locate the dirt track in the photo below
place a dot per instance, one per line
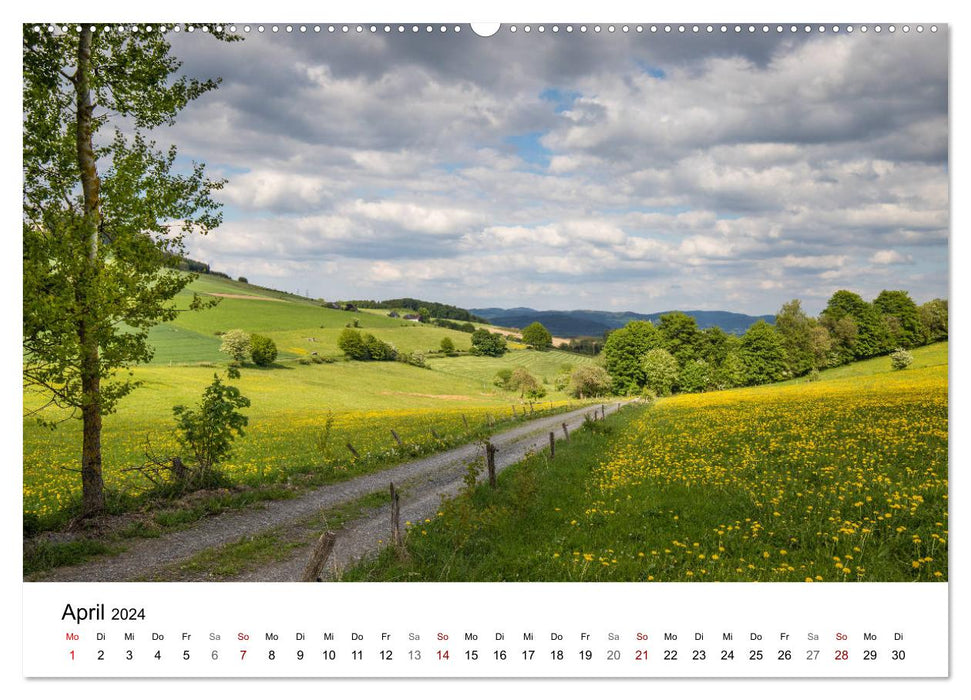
(422, 483)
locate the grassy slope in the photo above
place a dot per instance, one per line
(290, 401)
(842, 479)
(927, 356)
(290, 320)
(543, 365)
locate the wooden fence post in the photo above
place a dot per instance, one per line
(566, 433)
(395, 518)
(465, 420)
(353, 451)
(321, 551)
(514, 415)
(552, 444)
(491, 463)
(603, 412)
(396, 438)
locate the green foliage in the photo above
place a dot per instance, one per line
(660, 371)
(589, 380)
(762, 354)
(933, 315)
(415, 359)
(624, 351)
(901, 359)
(236, 344)
(902, 317)
(536, 335)
(103, 215)
(437, 310)
(447, 346)
(525, 383)
(872, 337)
(486, 343)
(352, 344)
(731, 372)
(680, 336)
(378, 349)
(207, 431)
(503, 378)
(262, 350)
(696, 375)
(795, 330)
(367, 347)
(585, 345)
(466, 327)
(821, 345)
(715, 345)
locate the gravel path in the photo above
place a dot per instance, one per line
(421, 482)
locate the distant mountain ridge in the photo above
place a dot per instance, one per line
(570, 324)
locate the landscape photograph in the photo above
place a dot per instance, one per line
(562, 302)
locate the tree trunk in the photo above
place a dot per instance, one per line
(90, 364)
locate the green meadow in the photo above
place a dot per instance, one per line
(302, 413)
(841, 479)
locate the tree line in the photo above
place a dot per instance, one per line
(675, 355)
(430, 308)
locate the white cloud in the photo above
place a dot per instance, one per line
(752, 172)
(889, 257)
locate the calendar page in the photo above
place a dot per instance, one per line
(448, 350)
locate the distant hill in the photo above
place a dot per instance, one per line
(571, 324)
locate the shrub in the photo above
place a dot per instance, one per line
(525, 383)
(236, 344)
(352, 345)
(207, 431)
(900, 359)
(447, 346)
(415, 359)
(502, 378)
(813, 375)
(262, 350)
(378, 349)
(486, 343)
(648, 395)
(660, 371)
(589, 380)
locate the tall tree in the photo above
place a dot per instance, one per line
(536, 335)
(796, 330)
(680, 336)
(624, 351)
(933, 315)
(103, 214)
(762, 354)
(716, 344)
(902, 318)
(872, 335)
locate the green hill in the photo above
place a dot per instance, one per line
(298, 325)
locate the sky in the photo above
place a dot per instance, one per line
(638, 171)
